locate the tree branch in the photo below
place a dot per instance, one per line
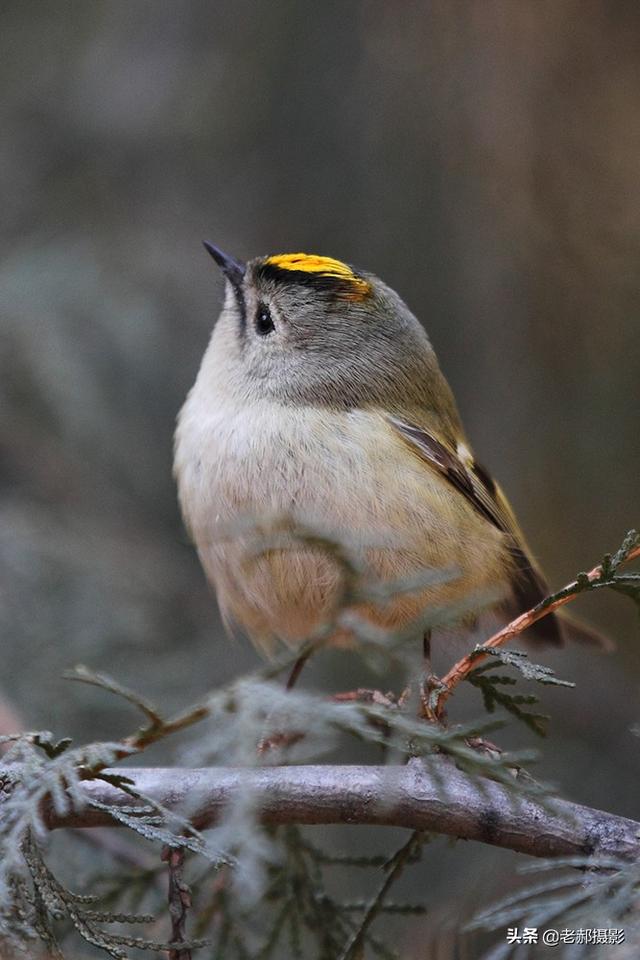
(179, 902)
(432, 796)
(567, 594)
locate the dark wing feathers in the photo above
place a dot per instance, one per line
(473, 481)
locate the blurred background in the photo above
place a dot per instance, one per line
(483, 157)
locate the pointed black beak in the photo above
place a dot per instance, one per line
(233, 269)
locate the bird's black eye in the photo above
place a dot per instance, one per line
(264, 323)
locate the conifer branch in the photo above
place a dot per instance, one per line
(432, 796)
(179, 902)
(601, 575)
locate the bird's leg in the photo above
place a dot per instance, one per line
(426, 652)
(296, 670)
(361, 695)
(283, 740)
(428, 681)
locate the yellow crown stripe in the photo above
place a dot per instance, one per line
(320, 267)
(312, 263)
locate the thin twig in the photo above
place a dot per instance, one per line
(394, 868)
(119, 848)
(468, 663)
(179, 902)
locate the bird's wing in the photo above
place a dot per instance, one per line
(483, 493)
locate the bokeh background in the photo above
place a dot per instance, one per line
(482, 156)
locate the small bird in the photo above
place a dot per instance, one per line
(320, 399)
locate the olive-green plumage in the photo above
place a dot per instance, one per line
(320, 399)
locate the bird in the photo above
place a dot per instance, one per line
(320, 400)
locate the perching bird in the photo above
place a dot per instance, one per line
(320, 399)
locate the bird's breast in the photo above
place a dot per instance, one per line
(343, 473)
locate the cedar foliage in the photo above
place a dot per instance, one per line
(258, 892)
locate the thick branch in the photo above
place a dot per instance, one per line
(434, 797)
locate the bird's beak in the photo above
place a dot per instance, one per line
(233, 269)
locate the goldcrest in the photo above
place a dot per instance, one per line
(320, 399)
